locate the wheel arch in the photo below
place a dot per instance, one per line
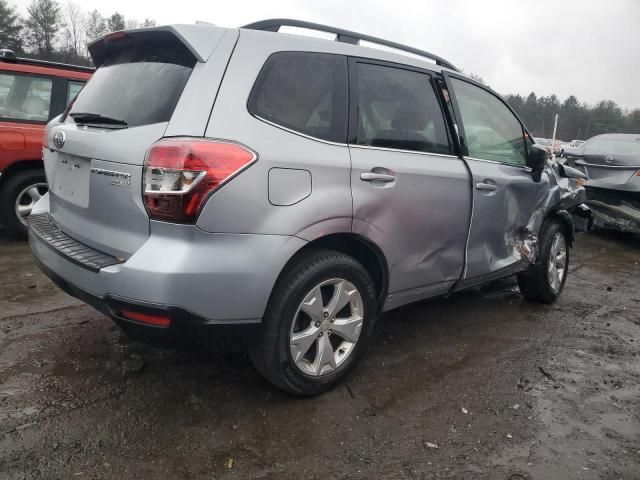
(20, 166)
(564, 218)
(362, 249)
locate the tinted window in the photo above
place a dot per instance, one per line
(492, 131)
(306, 92)
(140, 84)
(24, 97)
(613, 146)
(399, 109)
(73, 89)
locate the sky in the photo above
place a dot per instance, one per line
(588, 48)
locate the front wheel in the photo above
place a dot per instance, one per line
(317, 325)
(543, 282)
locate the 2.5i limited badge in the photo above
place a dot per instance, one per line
(118, 179)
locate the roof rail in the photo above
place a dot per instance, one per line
(345, 36)
(43, 63)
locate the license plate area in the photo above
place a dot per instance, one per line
(71, 179)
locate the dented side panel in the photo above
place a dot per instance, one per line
(501, 217)
(506, 221)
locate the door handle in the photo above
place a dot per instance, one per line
(377, 177)
(486, 187)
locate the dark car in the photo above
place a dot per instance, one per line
(612, 163)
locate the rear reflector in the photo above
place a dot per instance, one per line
(148, 319)
(181, 173)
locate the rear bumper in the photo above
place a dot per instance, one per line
(200, 280)
(186, 331)
(615, 209)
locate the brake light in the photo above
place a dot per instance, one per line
(146, 318)
(181, 173)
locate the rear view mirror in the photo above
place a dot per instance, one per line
(537, 160)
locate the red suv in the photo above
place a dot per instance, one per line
(32, 92)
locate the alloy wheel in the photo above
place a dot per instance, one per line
(27, 199)
(326, 327)
(557, 262)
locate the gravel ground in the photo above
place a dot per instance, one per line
(478, 385)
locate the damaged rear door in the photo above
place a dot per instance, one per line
(505, 196)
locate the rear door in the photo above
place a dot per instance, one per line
(26, 105)
(505, 196)
(411, 193)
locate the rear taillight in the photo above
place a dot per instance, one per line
(181, 173)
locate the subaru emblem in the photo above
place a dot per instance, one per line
(58, 140)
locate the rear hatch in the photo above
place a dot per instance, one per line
(94, 155)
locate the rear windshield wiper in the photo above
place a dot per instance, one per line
(87, 118)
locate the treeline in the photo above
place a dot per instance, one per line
(577, 120)
(58, 32)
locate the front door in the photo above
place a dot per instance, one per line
(411, 193)
(505, 196)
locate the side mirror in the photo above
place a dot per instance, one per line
(537, 160)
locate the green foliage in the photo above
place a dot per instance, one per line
(10, 28)
(116, 22)
(95, 25)
(577, 119)
(42, 24)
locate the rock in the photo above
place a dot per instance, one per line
(134, 364)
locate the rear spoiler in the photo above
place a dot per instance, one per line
(200, 40)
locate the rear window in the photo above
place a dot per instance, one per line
(305, 92)
(140, 84)
(25, 97)
(613, 146)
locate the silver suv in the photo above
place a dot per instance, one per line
(251, 189)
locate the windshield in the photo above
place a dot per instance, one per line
(139, 85)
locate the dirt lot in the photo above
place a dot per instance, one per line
(479, 385)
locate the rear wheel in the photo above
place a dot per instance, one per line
(544, 281)
(318, 324)
(18, 196)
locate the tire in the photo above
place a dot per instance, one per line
(16, 188)
(537, 283)
(318, 276)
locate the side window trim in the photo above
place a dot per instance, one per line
(51, 78)
(460, 124)
(352, 136)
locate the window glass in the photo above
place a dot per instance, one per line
(398, 109)
(73, 89)
(140, 84)
(613, 146)
(306, 92)
(492, 131)
(24, 97)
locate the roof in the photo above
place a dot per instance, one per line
(43, 67)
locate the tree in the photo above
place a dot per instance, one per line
(42, 24)
(148, 23)
(72, 23)
(115, 22)
(10, 28)
(95, 26)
